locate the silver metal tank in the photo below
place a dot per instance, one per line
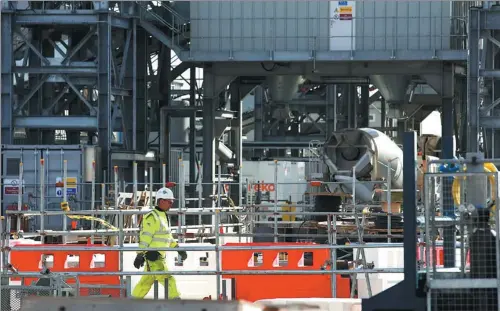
(283, 88)
(179, 127)
(370, 151)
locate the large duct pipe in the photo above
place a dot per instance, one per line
(392, 87)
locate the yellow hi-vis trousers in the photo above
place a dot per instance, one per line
(146, 282)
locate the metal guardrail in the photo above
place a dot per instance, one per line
(178, 25)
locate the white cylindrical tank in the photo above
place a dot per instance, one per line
(371, 151)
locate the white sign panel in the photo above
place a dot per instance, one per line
(11, 186)
(342, 25)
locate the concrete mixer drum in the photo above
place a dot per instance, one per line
(369, 151)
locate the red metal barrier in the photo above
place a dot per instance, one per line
(261, 286)
(30, 261)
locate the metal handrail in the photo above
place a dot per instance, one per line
(175, 13)
(177, 28)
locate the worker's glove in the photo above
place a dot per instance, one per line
(139, 261)
(153, 255)
(183, 255)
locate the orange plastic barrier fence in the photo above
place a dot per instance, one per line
(71, 261)
(260, 286)
(439, 256)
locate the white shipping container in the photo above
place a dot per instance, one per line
(292, 182)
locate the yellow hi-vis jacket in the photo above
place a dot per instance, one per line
(155, 232)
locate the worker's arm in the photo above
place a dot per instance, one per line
(149, 226)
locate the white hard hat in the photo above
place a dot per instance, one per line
(164, 193)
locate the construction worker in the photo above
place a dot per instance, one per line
(155, 233)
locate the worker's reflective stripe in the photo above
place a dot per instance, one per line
(164, 224)
(162, 237)
(143, 244)
(162, 240)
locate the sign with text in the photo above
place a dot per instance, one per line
(71, 186)
(342, 25)
(11, 186)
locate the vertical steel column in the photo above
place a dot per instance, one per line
(364, 107)
(236, 141)
(7, 134)
(192, 136)
(383, 112)
(448, 152)
(342, 107)
(473, 80)
(410, 202)
(134, 86)
(165, 141)
(164, 84)
(141, 42)
(258, 114)
(104, 87)
(210, 99)
(331, 106)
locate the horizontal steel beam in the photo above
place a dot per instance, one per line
(488, 19)
(320, 56)
(491, 122)
(340, 69)
(256, 144)
(293, 139)
(69, 70)
(489, 73)
(75, 80)
(57, 122)
(183, 112)
(120, 92)
(66, 17)
(131, 156)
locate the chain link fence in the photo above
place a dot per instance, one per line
(460, 239)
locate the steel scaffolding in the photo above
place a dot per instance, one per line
(246, 214)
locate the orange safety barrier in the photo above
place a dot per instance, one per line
(261, 286)
(439, 256)
(83, 261)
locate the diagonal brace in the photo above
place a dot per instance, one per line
(47, 110)
(32, 47)
(31, 93)
(80, 44)
(77, 92)
(125, 58)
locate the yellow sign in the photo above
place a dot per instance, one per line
(71, 182)
(346, 10)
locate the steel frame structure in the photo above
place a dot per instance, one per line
(483, 87)
(125, 102)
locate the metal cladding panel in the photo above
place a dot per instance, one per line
(326, 26)
(384, 25)
(53, 166)
(257, 26)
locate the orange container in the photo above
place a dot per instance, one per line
(31, 261)
(261, 286)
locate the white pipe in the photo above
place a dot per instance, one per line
(20, 196)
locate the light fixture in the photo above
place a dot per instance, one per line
(150, 154)
(226, 115)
